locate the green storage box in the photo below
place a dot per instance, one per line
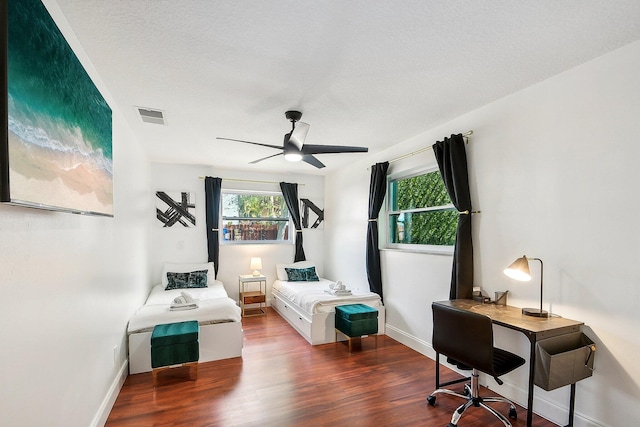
(355, 320)
(174, 343)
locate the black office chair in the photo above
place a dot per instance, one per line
(467, 337)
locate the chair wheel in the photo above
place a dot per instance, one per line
(431, 400)
(513, 414)
(466, 392)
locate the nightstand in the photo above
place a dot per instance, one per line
(252, 291)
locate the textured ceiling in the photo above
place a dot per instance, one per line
(369, 73)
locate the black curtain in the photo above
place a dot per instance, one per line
(212, 189)
(290, 193)
(377, 190)
(452, 160)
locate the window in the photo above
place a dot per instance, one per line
(254, 218)
(420, 214)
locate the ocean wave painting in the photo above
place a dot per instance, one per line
(60, 126)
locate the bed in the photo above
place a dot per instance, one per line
(310, 309)
(218, 315)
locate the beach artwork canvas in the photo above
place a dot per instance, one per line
(59, 142)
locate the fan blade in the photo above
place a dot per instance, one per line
(312, 161)
(299, 134)
(264, 158)
(327, 149)
(254, 143)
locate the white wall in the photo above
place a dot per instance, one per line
(553, 169)
(180, 244)
(69, 284)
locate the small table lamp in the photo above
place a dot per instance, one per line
(256, 265)
(519, 270)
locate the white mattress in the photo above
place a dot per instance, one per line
(214, 306)
(311, 296)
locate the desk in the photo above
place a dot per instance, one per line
(535, 328)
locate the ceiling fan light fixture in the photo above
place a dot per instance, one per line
(292, 156)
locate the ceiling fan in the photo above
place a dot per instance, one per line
(294, 149)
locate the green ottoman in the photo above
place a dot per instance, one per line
(356, 320)
(175, 344)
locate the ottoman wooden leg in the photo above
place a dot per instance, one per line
(193, 370)
(192, 366)
(155, 373)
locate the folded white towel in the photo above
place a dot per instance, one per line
(187, 306)
(184, 298)
(338, 286)
(338, 292)
(183, 302)
(187, 296)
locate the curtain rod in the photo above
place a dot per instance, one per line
(465, 136)
(247, 180)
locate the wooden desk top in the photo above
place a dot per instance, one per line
(512, 318)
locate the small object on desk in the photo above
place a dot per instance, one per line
(501, 298)
(480, 296)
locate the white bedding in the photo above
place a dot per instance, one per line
(159, 296)
(311, 296)
(214, 306)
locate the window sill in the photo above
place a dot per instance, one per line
(419, 251)
(254, 242)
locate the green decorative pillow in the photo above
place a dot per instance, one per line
(194, 279)
(177, 280)
(302, 274)
(198, 279)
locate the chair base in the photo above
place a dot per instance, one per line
(472, 397)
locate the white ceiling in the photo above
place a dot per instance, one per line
(365, 72)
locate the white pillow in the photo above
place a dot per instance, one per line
(187, 268)
(282, 274)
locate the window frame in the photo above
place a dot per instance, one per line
(385, 226)
(224, 219)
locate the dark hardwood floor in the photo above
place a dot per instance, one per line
(281, 380)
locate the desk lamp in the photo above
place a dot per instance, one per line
(519, 270)
(256, 266)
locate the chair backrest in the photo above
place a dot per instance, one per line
(464, 336)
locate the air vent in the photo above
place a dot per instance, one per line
(151, 116)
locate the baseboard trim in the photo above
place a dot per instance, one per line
(100, 419)
(410, 341)
(551, 410)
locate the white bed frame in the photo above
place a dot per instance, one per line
(316, 328)
(217, 341)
